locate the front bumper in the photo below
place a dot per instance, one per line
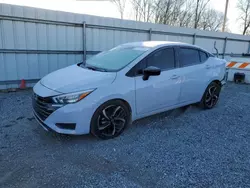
(67, 115)
(40, 121)
(69, 119)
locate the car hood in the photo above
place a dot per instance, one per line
(75, 78)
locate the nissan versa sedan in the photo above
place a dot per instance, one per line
(108, 91)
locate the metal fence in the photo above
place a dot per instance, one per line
(35, 42)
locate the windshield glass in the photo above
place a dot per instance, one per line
(116, 58)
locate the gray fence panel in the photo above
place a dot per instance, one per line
(35, 42)
(186, 39)
(33, 66)
(103, 39)
(237, 47)
(208, 44)
(2, 67)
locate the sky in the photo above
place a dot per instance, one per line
(107, 9)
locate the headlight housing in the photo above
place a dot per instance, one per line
(71, 97)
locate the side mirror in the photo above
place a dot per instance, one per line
(151, 71)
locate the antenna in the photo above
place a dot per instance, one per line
(217, 53)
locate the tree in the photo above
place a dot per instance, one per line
(199, 9)
(182, 13)
(120, 4)
(143, 9)
(136, 4)
(168, 11)
(211, 20)
(244, 10)
(186, 14)
(176, 12)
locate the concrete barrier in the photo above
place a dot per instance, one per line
(238, 69)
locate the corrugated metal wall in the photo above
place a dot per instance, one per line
(35, 42)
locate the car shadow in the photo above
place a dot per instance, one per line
(163, 115)
(89, 138)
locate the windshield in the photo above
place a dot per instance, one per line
(116, 58)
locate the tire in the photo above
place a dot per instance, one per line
(211, 96)
(110, 119)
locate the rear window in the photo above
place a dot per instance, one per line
(203, 56)
(189, 56)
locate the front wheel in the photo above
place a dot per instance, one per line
(211, 96)
(110, 119)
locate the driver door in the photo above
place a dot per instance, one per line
(158, 91)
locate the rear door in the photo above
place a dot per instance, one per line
(194, 73)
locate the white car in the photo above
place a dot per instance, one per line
(134, 80)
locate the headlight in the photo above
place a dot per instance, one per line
(71, 97)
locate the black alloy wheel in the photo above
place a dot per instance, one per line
(211, 96)
(110, 120)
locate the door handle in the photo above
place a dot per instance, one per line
(174, 77)
(208, 66)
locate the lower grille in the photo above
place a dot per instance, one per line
(43, 124)
(42, 106)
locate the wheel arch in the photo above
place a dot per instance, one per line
(117, 99)
(217, 81)
(124, 101)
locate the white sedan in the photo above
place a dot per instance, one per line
(133, 80)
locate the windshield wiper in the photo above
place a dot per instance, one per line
(84, 65)
(95, 68)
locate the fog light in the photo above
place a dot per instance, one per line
(69, 126)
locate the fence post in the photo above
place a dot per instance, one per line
(84, 40)
(225, 46)
(194, 38)
(248, 51)
(150, 34)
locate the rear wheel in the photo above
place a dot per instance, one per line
(110, 119)
(211, 96)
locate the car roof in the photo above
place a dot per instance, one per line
(152, 44)
(155, 44)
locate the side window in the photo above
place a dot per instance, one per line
(163, 59)
(203, 56)
(189, 56)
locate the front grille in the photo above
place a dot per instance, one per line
(42, 106)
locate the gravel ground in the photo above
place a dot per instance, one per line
(181, 148)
